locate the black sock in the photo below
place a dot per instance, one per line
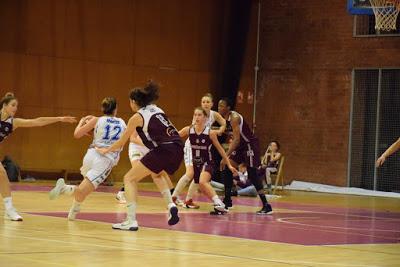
(228, 183)
(122, 189)
(257, 182)
(263, 199)
(172, 190)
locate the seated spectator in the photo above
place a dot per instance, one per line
(270, 162)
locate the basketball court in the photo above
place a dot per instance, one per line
(308, 229)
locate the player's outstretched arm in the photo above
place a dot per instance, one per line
(41, 121)
(393, 148)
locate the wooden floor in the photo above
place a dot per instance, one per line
(307, 229)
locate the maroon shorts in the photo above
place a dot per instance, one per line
(167, 157)
(247, 153)
(207, 167)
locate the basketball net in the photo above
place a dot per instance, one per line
(386, 12)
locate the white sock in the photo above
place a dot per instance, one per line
(217, 201)
(192, 190)
(76, 205)
(8, 203)
(131, 210)
(68, 189)
(167, 196)
(181, 185)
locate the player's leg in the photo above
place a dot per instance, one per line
(5, 191)
(206, 188)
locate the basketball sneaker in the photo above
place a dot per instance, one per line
(173, 217)
(178, 202)
(220, 207)
(218, 212)
(56, 191)
(12, 214)
(267, 209)
(228, 203)
(189, 204)
(128, 225)
(121, 197)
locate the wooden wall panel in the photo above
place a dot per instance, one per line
(10, 26)
(210, 33)
(116, 80)
(169, 91)
(189, 52)
(63, 57)
(72, 92)
(40, 27)
(147, 30)
(170, 33)
(117, 31)
(9, 70)
(74, 35)
(187, 81)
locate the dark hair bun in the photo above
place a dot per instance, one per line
(145, 96)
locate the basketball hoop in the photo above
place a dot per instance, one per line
(386, 12)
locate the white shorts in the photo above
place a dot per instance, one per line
(137, 152)
(96, 167)
(188, 153)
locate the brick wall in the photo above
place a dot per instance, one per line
(307, 54)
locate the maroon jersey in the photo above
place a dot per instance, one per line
(6, 128)
(157, 129)
(201, 146)
(246, 135)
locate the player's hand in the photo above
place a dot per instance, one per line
(102, 150)
(68, 119)
(233, 170)
(380, 161)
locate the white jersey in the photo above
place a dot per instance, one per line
(107, 131)
(211, 118)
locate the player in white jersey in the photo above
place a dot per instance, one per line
(212, 116)
(96, 167)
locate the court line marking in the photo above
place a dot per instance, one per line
(287, 220)
(192, 253)
(276, 221)
(34, 260)
(225, 237)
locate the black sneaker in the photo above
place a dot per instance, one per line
(228, 203)
(267, 209)
(173, 217)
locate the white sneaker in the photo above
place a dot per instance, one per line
(12, 214)
(56, 191)
(73, 212)
(128, 225)
(220, 207)
(173, 217)
(121, 197)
